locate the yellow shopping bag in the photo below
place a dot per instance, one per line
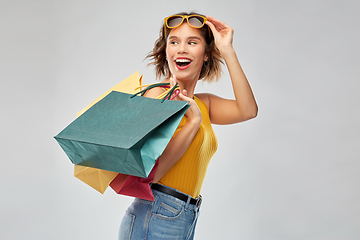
(96, 178)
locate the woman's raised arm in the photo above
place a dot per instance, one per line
(244, 107)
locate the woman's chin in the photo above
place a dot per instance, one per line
(184, 76)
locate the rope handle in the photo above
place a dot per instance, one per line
(165, 95)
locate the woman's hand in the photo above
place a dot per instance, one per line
(193, 114)
(223, 33)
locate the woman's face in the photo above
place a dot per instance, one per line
(185, 52)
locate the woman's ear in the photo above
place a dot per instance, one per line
(206, 58)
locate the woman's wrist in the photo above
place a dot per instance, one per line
(226, 51)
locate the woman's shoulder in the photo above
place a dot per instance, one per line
(154, 92)
(204, 97)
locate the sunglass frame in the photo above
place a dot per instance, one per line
(166, 25)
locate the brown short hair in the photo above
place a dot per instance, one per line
(211, 70)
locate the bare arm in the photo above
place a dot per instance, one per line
(244, 107)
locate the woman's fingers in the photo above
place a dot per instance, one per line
(219, 25)
(223, 33)
(172, 81)
(185, 92)
(183, 96)
(211, 25)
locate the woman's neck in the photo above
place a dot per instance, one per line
(189, 86)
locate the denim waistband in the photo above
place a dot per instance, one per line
(186, 204)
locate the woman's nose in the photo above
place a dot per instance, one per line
(182, 48)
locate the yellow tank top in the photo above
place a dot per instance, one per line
(188, 174)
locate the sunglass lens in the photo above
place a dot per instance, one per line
(173, 22)
(196, 21)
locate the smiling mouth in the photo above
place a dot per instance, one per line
(182, 62)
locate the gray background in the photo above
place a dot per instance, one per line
(291, 173)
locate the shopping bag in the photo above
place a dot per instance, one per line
(97, 178)
(134, 186)
(128, 85)
(121, 133)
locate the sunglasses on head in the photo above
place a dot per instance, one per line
(194, 21)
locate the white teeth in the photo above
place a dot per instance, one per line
(182, 60)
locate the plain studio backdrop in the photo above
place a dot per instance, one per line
(291, 173)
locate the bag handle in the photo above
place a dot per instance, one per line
(165, 95)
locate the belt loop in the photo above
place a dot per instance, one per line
(187, 202)
(199, 201)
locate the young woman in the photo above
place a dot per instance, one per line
(190, 47)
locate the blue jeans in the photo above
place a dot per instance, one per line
(166, 218)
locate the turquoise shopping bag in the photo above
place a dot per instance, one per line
(122, 133)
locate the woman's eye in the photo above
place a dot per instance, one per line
(173, 42)
(192, 43)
